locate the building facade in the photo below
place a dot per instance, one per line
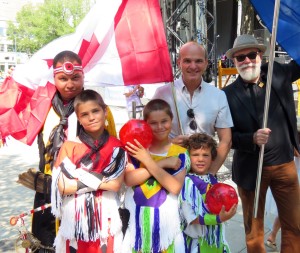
(8, 53)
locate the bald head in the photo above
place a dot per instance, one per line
(192, 62)
(195, 46)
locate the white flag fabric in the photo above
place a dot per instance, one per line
(119, 42)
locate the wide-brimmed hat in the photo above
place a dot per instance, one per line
(245, 41)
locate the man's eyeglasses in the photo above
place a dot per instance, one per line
(242, 57)
(190, 113)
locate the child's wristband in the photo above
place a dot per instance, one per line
(88, 179)
(80, 185)
(209, 219)
(82, 188)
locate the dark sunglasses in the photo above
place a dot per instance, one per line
(190, 113)
(242, 57)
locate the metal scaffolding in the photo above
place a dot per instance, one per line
(187, 20)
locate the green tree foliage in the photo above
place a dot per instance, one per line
(37, 25)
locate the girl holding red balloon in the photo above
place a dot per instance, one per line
(155, 177)
(202, 219)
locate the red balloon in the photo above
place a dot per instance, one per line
(136, 129)
(220, 195)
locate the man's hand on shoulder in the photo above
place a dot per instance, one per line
(179, 140)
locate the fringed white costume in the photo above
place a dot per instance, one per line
(90, 215)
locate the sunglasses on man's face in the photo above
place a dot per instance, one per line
(242, 57)
(190, 113)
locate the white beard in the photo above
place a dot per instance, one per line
(249, 72)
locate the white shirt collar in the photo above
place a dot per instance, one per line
(183, 87)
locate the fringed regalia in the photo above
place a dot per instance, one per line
(208, 236)
(89, 215)
(154, 224)
(60, 125)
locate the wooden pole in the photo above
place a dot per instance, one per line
(267, 101)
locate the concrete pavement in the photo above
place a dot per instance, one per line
(235, 231)
(14, 198)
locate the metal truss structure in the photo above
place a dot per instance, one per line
(187, 20)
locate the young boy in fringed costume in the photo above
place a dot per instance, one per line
(203, 231)
(58, 125)
(155, 179)
(86, 178)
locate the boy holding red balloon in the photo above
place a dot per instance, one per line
(154, 179)
(203, 230)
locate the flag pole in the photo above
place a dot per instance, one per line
(267, 100)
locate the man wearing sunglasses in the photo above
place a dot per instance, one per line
(201, 106)
(246, 98)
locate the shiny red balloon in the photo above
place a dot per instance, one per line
(220, 195)
(136, 129)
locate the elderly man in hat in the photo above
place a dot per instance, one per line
(246, 97)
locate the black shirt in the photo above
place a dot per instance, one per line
(279, 148)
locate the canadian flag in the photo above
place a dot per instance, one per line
(119, 42)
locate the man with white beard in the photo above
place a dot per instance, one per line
(246, 97)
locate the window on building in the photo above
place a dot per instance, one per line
(2, 31)
(2, 47)
(10, 48)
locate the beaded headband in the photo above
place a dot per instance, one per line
(68, 68)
